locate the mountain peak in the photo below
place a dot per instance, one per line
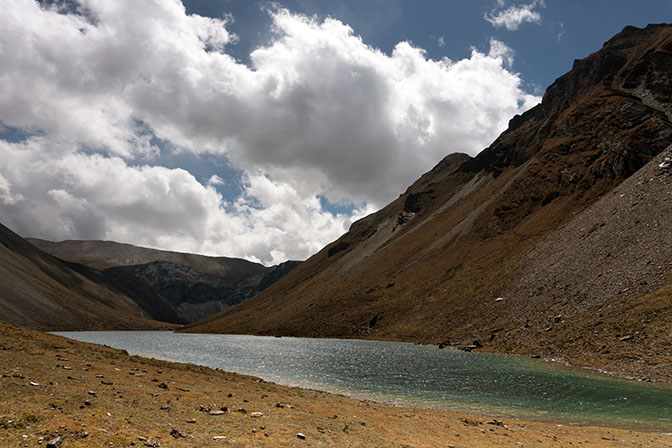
(429, 266)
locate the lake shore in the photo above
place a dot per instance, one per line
(92, 395)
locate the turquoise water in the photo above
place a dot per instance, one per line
(407, 374)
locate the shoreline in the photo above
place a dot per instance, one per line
(127, 406)
(400, 401)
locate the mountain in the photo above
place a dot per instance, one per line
(170, 286)
(553, 241)
(40, 291)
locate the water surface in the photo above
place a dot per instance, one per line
(416, 375)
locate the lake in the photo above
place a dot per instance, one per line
(415, 375)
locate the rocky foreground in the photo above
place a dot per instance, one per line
(58, 392)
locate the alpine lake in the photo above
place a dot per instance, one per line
(415, 375)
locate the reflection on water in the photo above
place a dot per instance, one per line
(414, 375)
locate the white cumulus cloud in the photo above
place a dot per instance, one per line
(317, 112)
(515, 15)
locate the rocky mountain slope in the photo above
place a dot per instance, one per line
(536, 245)
(40, 291)
(170, 286)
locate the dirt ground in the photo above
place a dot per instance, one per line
(95, 396)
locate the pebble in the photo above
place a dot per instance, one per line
(219, 438)
(92, 393)
(301, 436)
(32, 383)
(256, 414)
(55, 442)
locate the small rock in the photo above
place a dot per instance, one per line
(499, 299)
(176, 433)
(84, 435)
(219, 412)
(219, 438)
(32, 383)
(165, 408)
(301, 436)
(142, 439)
(55, 442)
(495, 422)
(163, 386)
(92, 393)
(256, 414)
(626, 338)
(191, 420)
(242, 410)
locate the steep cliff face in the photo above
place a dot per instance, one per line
(430, 266)
(40, 291)
(170, 286)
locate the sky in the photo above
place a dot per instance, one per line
(256, 129)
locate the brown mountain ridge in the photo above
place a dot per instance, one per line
(552, 241)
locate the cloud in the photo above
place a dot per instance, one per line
(317, 112)
(512, 17)
(97, 197)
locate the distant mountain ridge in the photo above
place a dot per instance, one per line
(171, 286)
(469, 255)
(40, 291)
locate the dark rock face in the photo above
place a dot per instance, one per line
(171, 287)
(178, 293)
